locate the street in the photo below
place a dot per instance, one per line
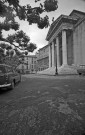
(44, 105)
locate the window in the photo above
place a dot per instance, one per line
(32, 60)
(27, 66)
(32, 66)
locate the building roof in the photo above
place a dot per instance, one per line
(80, 21)
(72, 19)
(77, 12)
(58, 21)
(43, 47)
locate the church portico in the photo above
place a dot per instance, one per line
(61, 52)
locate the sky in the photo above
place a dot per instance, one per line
(38, 36)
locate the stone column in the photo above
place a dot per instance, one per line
(53, 54)
(57, 50)
(64, 47)
(49, 56)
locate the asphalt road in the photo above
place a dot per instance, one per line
(44, 105)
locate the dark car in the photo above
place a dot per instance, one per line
(81, 70)
(8, 76)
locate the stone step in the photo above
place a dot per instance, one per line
(61, 70)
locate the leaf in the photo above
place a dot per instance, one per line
(51, 5)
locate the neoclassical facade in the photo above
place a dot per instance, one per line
(66, 40)
(29, 65)
(43, 58)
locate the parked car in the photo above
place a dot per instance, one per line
(8, 76)
(81, 70)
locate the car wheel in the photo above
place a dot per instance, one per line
(12, 85)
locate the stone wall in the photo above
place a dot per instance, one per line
(79, 44)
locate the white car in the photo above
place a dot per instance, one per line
(81, 70)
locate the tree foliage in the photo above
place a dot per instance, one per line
(10, 9)
(23, 41)
(7, 14)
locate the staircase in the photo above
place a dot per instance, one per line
(63, 70)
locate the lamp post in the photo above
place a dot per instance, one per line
(56, 69)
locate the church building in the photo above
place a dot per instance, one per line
(66, 40)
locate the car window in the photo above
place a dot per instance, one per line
(2, 69)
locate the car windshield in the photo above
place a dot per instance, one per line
(2, 69)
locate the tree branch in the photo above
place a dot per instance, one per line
(3, 39)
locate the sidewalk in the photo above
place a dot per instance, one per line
(53, 76)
